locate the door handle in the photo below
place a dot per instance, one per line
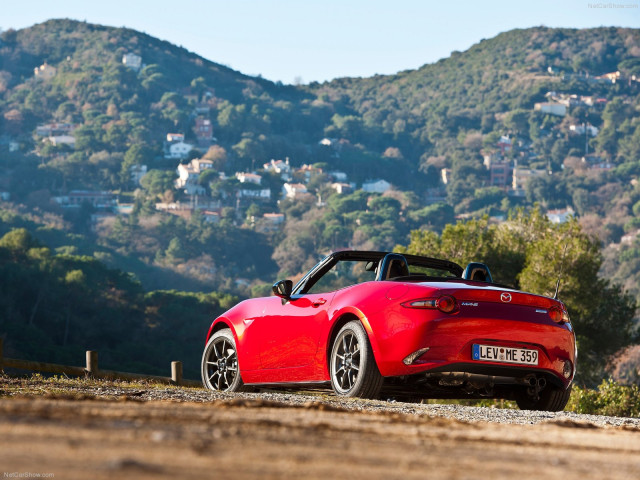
(318, 302)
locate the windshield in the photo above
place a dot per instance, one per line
(343, 274)
(342, 269)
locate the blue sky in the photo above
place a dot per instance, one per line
(319, 40)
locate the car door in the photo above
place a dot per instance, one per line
(289, 333)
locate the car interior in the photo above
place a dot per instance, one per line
(393, 265)
(477, 272)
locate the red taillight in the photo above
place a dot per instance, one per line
(421, 303)
(445, 303)
(558, 315)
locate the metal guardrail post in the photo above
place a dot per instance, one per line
(92, 363)
(176, 373)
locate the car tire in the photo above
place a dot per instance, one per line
(219, 368)
(552, 399)
(352, 366)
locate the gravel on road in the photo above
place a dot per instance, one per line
(323, 400)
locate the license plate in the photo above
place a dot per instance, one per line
(491, 353)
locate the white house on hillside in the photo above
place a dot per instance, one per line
(249, 178)
(137, 172)
(175, 137)
(188, 176)
(376, 186)
(342, 188)
(259, 194)
(278, 166)
(293, 189)
(132, 61)
(201, 164)
(560, 215)
(584, 129)
(557, 109)
(338, 176)
(178, 150)
(57, 140)
(45, 71)
(521, 176)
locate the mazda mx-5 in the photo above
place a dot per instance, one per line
(404, 326)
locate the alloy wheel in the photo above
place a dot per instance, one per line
(222, 364)
(346, 364)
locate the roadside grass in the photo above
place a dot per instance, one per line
(38, 385)
(485, 402)
(609, 398)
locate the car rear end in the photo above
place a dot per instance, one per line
(469, 333)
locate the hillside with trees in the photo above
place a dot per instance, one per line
(122, 149)
(54, 306)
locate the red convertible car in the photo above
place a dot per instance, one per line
(406, 326)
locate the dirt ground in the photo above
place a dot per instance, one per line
(94, 438)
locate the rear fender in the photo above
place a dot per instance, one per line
(353, 311)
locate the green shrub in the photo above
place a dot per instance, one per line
(610, 398)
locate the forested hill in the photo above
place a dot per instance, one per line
(91, 46)
(465, 91)
(547, 116)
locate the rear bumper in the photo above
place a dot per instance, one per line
(494, 374)
(449, 340)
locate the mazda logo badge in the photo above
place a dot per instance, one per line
(505, 297)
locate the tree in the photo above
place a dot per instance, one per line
(393, 152)
(88, 138)
(531, 253)
(218, 155)
(175, 250)
(517, 120)
(601, 312)
(137, 154)
(18, 241)
(435, 216)
(247, 150)
(156, 182)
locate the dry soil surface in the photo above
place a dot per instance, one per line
(186, 433)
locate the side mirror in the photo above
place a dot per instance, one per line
(283, 289)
